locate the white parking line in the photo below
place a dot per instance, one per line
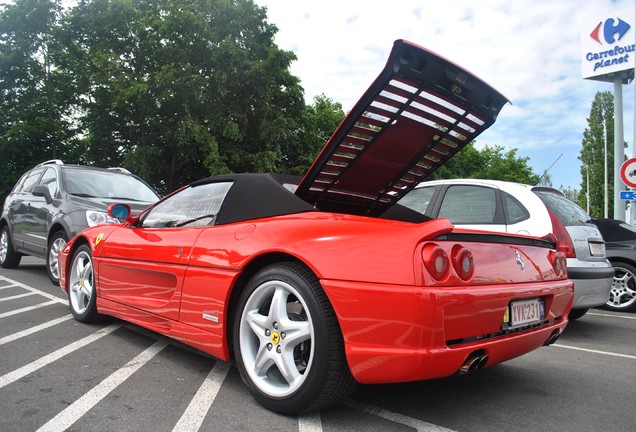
(27, 309)
(6, 286)
(310, 422)
(35, 290)
(595, 351)
(81, 406)
(612, 315)
(17, 296)
(35, 329)
(56, 355)
(419, 425)
(200, 404)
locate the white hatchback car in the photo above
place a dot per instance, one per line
(499, 206)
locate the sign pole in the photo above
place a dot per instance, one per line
(632, 210)
(619, 149)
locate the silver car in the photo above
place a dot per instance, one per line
(499, 206)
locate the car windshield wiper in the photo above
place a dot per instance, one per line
(82, 195)
(123, 198)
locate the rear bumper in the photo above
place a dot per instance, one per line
(591, 285)
(400, 334)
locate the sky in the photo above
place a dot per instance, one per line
(529, 51)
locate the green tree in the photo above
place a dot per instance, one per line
(318, 123)
(488, 163)
(179, 89)
(596, 138)
(571, 194)
(34, 123)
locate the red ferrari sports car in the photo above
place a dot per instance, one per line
(313, 285)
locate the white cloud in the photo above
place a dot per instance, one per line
(530, 51)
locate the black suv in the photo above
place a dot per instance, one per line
(52, 202)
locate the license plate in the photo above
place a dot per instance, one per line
(597, 249)
(524, 312)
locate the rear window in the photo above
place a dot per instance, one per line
(568, 212)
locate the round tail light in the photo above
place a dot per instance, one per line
(463, 262)
(436, 261)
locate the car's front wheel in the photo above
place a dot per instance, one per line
(81, 286)
(623, 292)
(8, 257)
(287, 342)
(56, 244)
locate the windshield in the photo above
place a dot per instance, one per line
(107, 184)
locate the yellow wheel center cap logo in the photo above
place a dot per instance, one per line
(275, 338)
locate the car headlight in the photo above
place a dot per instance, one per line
(97, 218)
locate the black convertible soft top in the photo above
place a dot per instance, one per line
(262, 195)
(257, 195)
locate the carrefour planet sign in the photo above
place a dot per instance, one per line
(608, 44)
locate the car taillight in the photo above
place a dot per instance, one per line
(436, 261)
(559, 263)
(564, 241)
(463, 262)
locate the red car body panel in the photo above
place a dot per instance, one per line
(396, 321)
(401, 317)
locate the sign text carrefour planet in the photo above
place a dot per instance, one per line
(608, 45)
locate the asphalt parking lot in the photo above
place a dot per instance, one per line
(57, 374)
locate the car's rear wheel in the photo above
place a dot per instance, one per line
(81, 286)
(8, 257)
(287, 342)
(623, 292)
(56, 244)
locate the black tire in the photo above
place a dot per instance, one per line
(9, 258)
(269, 338)
(623, 292)
(55, 246)
(81, 286)
(577, 313)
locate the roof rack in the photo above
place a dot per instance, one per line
(50, 162)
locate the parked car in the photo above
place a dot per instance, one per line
(310, 285)
(500, 206)
(620, 246)
(52, 202)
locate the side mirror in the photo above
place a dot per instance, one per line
(42, 191)
(119, 211)
(122, 212)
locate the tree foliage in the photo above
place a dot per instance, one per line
(597, 142)
(34, 120)
(491, 162)
(173, 90)
(180, 89)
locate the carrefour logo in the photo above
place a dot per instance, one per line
(609, 30)
(610, 49)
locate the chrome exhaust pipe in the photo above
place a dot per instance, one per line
(482, 362)
(553, 338)
(473, 362)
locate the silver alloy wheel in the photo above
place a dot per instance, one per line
(81, 282)
(276, 334)
(623, 292)
(54, 256)
(4, 245)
